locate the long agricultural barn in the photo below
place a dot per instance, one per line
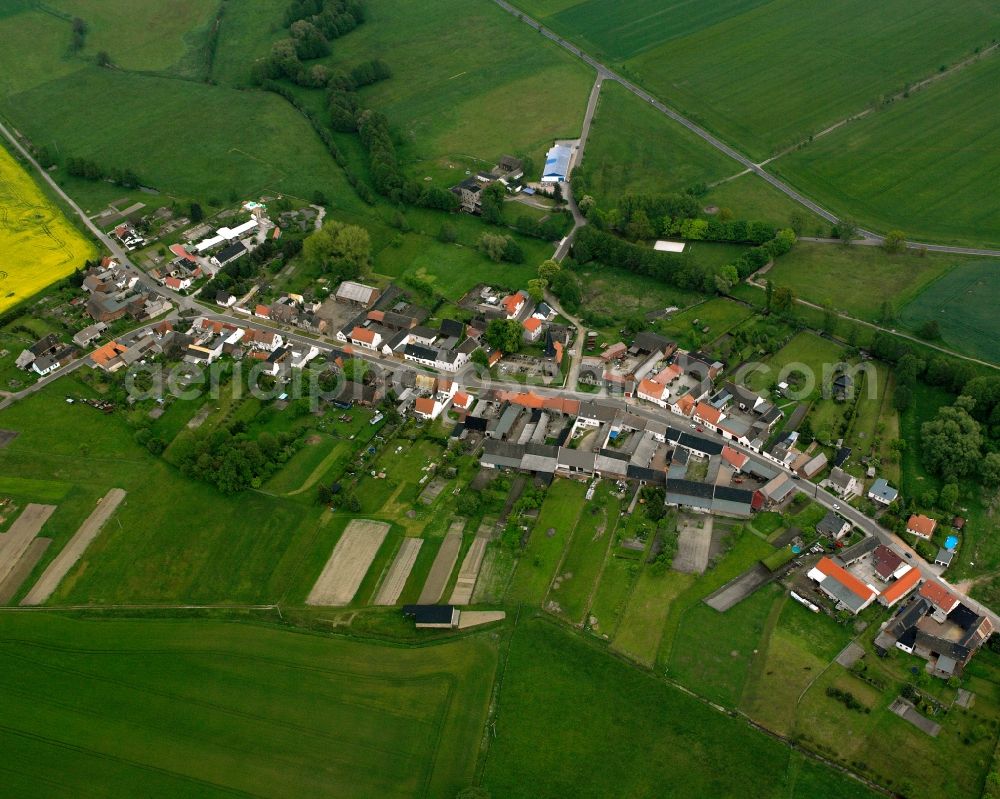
(557, 162)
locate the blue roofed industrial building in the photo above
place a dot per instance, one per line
(557, 162)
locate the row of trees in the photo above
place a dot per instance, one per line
(90, 170)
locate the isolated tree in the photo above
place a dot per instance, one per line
(447, 234)
(493, 245)
(895, 241)
(830, 320)
(547, 270)
(902, 398)
(536, 288)
(768, 294)
(887, 313)
(103, 59)
(948, 498)
(195, 212)
(567, 288)
(338, 248)
(930, 330)
(491, 208)
(783, 299)
(846, 230)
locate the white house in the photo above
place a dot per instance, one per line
(365, 337)
(654, 392)
(427, 408)
(882, 493)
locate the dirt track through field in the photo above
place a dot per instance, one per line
(467, 575)
(22, 532)
(401, 567)
(24, 566)
(349, 563)
(73, 551)
(443, 565)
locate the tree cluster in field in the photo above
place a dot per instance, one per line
(230, 458)
(89, 170)
(339, 250)
(79, 35)
(504, 335)
(498, 247)
(963, 441)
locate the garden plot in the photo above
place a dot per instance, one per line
(400, 570)
(74, 550)
(467, 575)
(694, 544)
(348, 563)
(443, 565)
(15, 542)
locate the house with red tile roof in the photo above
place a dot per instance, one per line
(512, 304)
(943, 601)
(365, 337)
(921, 526)
(532, 328)
(427, 407)
(707, 415)
(262, 311)
(734, 457)
(683, 405)
(654, 392)
(109, 357)
(462, 400)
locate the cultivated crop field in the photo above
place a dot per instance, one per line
(964, 304)
(38, 245)
(210, 709)
(926, 164)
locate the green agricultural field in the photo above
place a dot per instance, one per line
(540, 559)
(923, 165)
(258, 142)
(622, 30)
(857, 280)
(245, 36)
(800, 646)
(211, 709)
(641, 628)
(633, 148)
(777, 73)
(470, 84)
(751, 197)
(559, 732)
(964, 304)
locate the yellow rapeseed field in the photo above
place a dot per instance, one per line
(38, 244)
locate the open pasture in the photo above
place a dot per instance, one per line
(857, 279)
(650, 740)
(214, 709)
(634, 149)
(38, 244)
(925, 165)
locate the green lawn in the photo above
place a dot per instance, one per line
(806, 354)
(963, 303)
(857, 280)
(713, 652)
(574, 722)
(198, 708)
(923, 165)
(549, 536)
(641, 628)
(714, 317)
(633, 148)
(595, 529)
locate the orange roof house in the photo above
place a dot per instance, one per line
(668, 375)
(558, 346)
(921, 526)
(685, 405)
(262, 310)
(424, 406)
(707, 413)
(900, 588)
(842, 586)
(734, 458)
(495, 358)
(103, 357)
(363, 334)
(512, 304)
(462, 400)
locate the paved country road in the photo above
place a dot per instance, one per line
(606, 73)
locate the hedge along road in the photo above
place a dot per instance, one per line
(609, 74)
